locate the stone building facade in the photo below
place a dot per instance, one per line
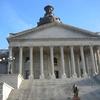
(54, 50)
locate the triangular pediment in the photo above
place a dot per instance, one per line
(53, 30)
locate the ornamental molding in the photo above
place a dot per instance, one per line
(58, 39)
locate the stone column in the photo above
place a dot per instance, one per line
(83, 61)
(31, 62)
(20, 60)
(87, 64)
(96, 62)
(69, 65)
(78, 65)
(52, 62)
(62, 62)
(73, 61)
(10, 62)
(98, 58)
(93, 60)
(41, 63)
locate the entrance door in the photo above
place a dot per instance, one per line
(57, 74)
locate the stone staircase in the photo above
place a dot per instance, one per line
(10, 79)
(58, 89)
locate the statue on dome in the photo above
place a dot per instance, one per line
(48, 16)
(49, 10)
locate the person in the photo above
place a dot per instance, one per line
(75, 91)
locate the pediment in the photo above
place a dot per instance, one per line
(53, 31)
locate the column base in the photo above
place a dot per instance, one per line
(53, 76)
(95, 73)
(31, 77)
(74, 75)
(85, 75)
(63, 76)
(42, 76)
(21, 76)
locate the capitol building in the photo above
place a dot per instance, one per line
(44, 62)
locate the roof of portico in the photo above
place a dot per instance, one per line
(65, 26)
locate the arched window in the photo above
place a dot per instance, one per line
(55, 61)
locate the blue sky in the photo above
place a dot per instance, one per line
(19, 15)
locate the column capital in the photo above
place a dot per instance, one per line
(81, 46)
(41, 46)
(51, 46)
(20, 47)
(30, 47)
(71, 46)
(91, 46)
(61, 46)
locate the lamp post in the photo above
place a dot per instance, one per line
(3, 64)
(10, 64)
(2, 60)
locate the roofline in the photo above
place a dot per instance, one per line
(12, 35)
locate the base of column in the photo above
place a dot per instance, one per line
(74, 75)
(95, 73)
(21, 76)
(85, 75)
(31, 77)
(63, 76)
(42, 76)
(53, 76)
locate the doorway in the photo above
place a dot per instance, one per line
(56, 73)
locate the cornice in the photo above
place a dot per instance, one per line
(57, 39)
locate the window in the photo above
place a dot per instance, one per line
(55, 61)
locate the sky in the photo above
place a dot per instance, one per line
(19, 15)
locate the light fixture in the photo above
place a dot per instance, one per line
(3, 58)
(0, 60)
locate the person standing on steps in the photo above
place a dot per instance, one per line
(75, 91)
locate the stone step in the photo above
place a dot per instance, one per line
(89, 88)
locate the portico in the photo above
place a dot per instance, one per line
(47, 68)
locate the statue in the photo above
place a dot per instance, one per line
(48, 9)
(75, 91)
(48, 16)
